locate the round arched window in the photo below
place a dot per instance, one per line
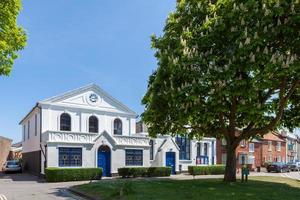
(118, 127)
(93, 124)
(65, 122)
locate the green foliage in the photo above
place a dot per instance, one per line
(72, 174)
(159, 171)
(226, 68)
(206, 170)
(222, 64)
(127, 172)
(12, 36)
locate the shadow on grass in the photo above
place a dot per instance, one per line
(260, 188)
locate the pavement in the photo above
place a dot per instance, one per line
(27, 187)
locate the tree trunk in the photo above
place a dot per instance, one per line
(230, 169)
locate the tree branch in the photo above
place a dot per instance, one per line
(222, 123)
(282, 104)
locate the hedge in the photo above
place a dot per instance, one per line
(159, 171)
(127, 172)
(72, 174)
(206, 170)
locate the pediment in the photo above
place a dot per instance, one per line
(105, 138)
(90, 97)
(169, 142)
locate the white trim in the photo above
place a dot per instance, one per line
(92, 87)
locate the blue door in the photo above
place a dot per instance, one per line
(170, 161)
(104, 160)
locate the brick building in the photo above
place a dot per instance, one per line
(273, 148)
(16, 151)
(256, 152)
(5, 145)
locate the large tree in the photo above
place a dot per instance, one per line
(12, 37)
(226, 68)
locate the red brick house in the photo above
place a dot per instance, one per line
(256, 152)
(273, 148)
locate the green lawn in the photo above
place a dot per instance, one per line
(258, 188)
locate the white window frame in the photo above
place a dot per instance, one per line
(251, 147)
(269, 145)
(251, 159)
(278, 146)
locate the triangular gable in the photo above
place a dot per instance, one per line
(273, 137)
(81, 97)
(106, 135)
(166, 141)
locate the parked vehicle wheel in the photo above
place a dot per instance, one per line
(269, 171)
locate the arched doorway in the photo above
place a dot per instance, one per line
(104, 157)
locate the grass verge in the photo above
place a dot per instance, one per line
(258, 188)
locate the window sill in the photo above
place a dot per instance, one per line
(70, 166)
(185, 161)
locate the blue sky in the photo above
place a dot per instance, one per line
(72, 43)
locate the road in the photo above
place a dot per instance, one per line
(292, 175)
(28, 187)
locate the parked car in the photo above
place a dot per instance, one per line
(294, 166)
(12, 166)
(278, 167)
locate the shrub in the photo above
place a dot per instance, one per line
(127, 172)
(138, 171)
(159, 171)
(72, 174)
(124, 172)
(266, 164)
(206, 170)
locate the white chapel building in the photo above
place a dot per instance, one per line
(87, 127)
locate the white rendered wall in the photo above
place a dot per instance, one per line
(160, 155)
(33, 143)
(90, 154)
(80, 117)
